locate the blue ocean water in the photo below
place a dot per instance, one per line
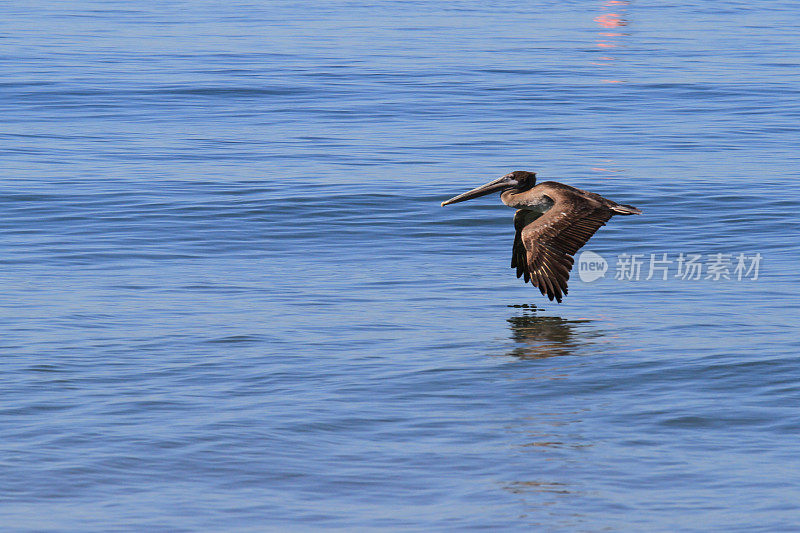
(231, 300)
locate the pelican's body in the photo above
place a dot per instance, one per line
(553, 221)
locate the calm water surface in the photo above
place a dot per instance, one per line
(232, 302)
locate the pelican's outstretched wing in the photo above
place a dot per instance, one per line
(544, 245)
(519, 256)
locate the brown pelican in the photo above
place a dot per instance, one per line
(553, 221)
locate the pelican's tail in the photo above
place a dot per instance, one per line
(624, 209)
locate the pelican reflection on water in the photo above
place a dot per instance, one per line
(553, 221)
(540, 337)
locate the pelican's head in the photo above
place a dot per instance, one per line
(519, 181)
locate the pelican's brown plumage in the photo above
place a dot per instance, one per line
(553, 221)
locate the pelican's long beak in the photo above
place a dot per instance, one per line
(499, 184)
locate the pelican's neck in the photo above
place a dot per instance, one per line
(527, 200)
(510, 198)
